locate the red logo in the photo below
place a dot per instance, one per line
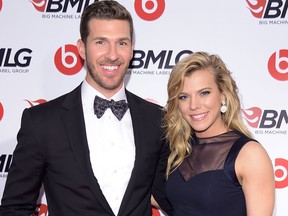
(257, 9)
(1, 109)
(149, 10)
(278, 65)
(252, 116)
(267, 118)
(36, 102)
(67, 60)
(39, 4)
(268, 9)
(42, 210)
(155, 212)
(0, 5)
(281, 173)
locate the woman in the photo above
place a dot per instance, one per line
(215, 167)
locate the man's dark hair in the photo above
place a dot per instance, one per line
(106, 10)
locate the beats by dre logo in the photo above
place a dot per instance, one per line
(278, 65)
(67, 60)
(1, 109)
(281, 173)
(149, 10)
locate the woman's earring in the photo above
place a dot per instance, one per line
(223, 108)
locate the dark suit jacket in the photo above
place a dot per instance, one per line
(52, 149)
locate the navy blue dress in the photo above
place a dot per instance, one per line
(205, 184)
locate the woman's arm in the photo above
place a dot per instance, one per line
(255, 173)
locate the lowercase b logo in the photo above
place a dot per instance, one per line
(67, 60)
(1, 109)
(149, 10)
(278, 65)
(281, 170)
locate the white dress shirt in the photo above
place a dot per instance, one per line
(111, 145)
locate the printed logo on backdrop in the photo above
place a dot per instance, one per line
(281, 173)
(278, 65)
(5, 162)
(67, 60)
(266, 121)
(1, 111)
(60, 9)
(153, 62)
(15, 61)
(35, 102)
(149, 10)
(269, 12)
(1, 5)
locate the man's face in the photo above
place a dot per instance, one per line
(107, 52)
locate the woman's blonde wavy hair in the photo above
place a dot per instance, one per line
(178, 131)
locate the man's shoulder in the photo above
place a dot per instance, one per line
(141, 101)
(57, 102)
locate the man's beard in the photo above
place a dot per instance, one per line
(101, 83)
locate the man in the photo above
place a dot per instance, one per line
(92, 162)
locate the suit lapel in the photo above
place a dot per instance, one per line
(75, 126)
(137, 118)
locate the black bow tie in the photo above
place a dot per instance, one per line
(118, 108)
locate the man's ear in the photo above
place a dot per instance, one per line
(81, 49)
(132, 53)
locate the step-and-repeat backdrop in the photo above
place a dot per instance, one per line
(39, 61)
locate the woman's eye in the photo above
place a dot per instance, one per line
(182, 97)
(205, 92)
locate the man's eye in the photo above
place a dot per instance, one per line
(99, 42)
(122, 43)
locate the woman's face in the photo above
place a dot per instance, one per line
(200, 102)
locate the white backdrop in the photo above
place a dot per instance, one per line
(38, 61)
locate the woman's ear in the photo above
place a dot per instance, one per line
(223, 98)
